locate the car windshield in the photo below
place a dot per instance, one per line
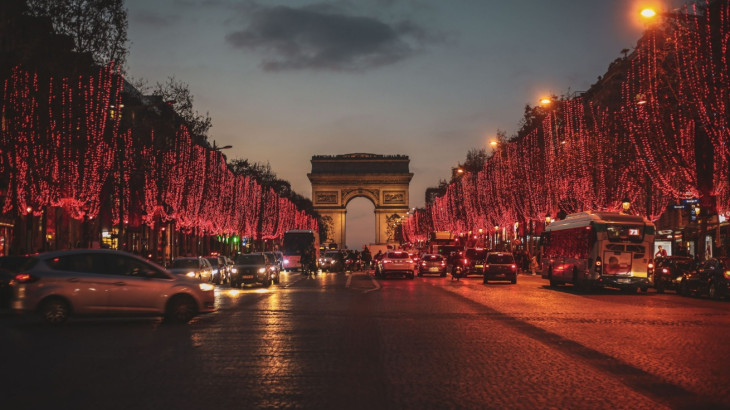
(331, 254)
(500, 258)
(213, 261)
(250, 260)
(397, 255)
(184, 263)
(432, 258)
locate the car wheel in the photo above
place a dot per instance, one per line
(181, 309)
(420, 275)
(644, 289)
(55, 311)
(513, 280)
(411, 276)
(683, 288)
(267, 283)
(714, 291)
(485, 281)
(276, 280)
(659, 286)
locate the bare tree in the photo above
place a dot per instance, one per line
(179, 93)
(98, 27)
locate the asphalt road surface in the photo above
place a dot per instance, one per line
(348, 341)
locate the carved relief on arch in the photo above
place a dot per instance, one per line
(350, 193)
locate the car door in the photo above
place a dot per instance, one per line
(138, 287)
(82, 282)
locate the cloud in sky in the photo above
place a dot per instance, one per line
(321, 38)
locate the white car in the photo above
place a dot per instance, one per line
(397, 263)
(106, 282)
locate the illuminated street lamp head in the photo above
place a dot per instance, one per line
(648, 13)
(545, 101)
(625, 204)
(548, 219)
(493, 143)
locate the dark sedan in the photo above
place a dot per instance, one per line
(669, 270)
(256, 268)
(432, 263)
(711, 278)
(500, 266)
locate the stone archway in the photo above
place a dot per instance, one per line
(338, 179)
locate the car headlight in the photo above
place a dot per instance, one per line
(234, 270)
(262, 270)
(206, 287)
(190, 274)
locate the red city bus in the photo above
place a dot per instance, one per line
(596, 249)
(294, 242)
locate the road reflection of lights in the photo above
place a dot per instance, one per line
(262, 290)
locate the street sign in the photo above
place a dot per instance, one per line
(690, 201)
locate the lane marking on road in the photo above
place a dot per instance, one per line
(375, 282)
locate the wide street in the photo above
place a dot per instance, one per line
(350, 341)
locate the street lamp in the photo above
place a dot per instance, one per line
(625, 204)
(548, 219)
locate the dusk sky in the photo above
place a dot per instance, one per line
(286, 80)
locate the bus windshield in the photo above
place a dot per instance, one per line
(295, 242)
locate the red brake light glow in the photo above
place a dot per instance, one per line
(25, 278)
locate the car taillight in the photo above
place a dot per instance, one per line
(423, 263)
(466, 261)
(514, 267)
(651, 265)
(727, 274)
(665, 270)
(599, 266)
(25, 278)
(443, 263)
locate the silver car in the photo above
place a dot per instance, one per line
(106, 282)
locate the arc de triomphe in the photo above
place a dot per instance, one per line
(338, 179)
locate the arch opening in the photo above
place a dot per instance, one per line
(360, 224)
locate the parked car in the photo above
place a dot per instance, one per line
(432, 263)
(254, 267)
(500, 265)
(668, 271)
(193, 267)
(711, 278)
(106, 282)
(219, 273)
(396, 263)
